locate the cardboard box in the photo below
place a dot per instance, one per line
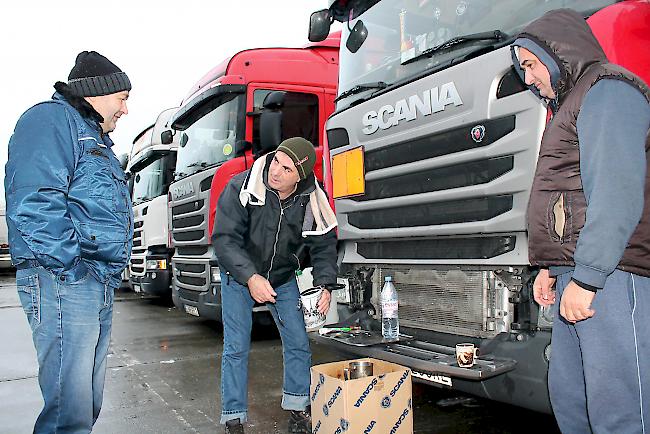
(380, 404)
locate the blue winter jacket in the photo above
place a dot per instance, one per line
(68, 205)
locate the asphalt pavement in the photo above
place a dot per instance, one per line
(164, 371)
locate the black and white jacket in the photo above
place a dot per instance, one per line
(267, 237)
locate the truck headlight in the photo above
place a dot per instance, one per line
(215, 274)
(156, 264)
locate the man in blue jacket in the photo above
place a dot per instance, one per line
(70, 231)
(589, 225)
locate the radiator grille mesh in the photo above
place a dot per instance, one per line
(450, 301)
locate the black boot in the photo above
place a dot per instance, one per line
(300, 422)
(234, 426)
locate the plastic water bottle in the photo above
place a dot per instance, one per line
(389, 319)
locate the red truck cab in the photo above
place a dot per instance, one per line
(240, 110)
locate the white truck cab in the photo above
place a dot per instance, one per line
(151, 168)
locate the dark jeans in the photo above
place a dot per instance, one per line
(599, 374)
(237, 316)
(71, 329)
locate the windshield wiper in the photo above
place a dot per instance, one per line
(360, 88)
(495, 35)
(201, 164)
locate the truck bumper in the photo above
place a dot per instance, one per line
(512, 367)
(154, 282)
(5, 262)
(425, 357)
(207, 304)
(203, 304)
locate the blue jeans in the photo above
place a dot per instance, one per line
(599, 373)
(71, 329)
(237, 316)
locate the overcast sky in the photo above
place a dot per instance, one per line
(164, 46)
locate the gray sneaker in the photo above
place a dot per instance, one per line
(234, 426)
(300, 422)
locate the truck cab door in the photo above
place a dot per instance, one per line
(278, 112)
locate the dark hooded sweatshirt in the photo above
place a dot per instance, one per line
(590, 204)
(267, 239)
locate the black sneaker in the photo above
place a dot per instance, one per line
(300, 422)
(234, 426)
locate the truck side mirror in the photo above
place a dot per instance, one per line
(319, 25)
(167, 137)
(358, 35)
(242, 146)
(124, 160)
(270, 131)
(184, 140)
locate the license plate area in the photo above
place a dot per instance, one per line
(443, 380)
(192, 310)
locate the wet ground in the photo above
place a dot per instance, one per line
(163, 377)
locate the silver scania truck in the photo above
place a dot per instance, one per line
(433, 147)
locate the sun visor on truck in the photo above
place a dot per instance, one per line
(204, 103)
(340, 9)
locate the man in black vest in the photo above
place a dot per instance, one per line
(589, 225)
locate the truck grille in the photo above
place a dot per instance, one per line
(438, 248)
(188, 295)
(138, 238)
(191, 235)
(191, 276)
(188, 236)
(187, 222)
(443, 143)
(137, 266)
(192, 268)
(462, 302)
(192, 250)
(426, 181)
(386, 178)
(441, 213)
(194, 281)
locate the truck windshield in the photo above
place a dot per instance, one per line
(150, 181)
(403, 36)
(210, 140)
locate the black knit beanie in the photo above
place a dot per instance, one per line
(302, 153)
(95, 75)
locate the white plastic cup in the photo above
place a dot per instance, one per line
(313, 318)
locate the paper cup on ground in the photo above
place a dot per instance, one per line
(313, 318)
